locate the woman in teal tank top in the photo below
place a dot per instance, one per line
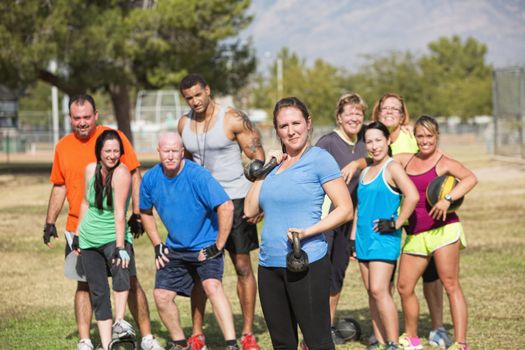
(104, 237)
(377, 229)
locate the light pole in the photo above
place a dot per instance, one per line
(279, 78)
(279, 74)
(54, 103)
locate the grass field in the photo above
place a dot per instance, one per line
(36, 309)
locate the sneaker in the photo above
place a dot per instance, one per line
(248, 342)
(197, 342)
(407, 343)
(174, 346)
(85, 345)
(375, 346)
(122, 329)
(440, 338)
(391, 346)
(457, 346)
(150, 343)
(372, 339)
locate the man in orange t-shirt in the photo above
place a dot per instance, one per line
(72, 154)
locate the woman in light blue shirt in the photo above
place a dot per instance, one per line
(291, 197)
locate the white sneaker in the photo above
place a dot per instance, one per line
(85, 345)
(122, 329)
(148, 343)
(440, 338)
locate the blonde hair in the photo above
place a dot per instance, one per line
(350, 99)
(404, 111)
(428, 123)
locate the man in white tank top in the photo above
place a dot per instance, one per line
(214, 137)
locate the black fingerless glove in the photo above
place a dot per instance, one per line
(386, 225)
(159, 250)
(135, 225)
(120, 253)
(75, 244)
(211, 251)
(351, 248)
(49, 231)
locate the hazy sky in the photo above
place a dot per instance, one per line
(341, 32)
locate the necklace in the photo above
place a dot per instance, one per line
(205, 132)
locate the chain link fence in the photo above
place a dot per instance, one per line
(508, 94)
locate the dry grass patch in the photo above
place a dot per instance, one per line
(37, 299)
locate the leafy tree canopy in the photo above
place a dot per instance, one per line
(451, 79)
(117, 45)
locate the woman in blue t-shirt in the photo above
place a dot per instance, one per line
(291, 197)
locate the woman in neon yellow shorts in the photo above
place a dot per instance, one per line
(433, 231)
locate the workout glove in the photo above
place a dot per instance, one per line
(75, 245)
(135, 225)
(120, 253)
(159, 250)
(351, 248)
(211, 251)
(386, 225)
(49, 231)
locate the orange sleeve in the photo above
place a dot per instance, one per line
(130, 157)
(57, 176)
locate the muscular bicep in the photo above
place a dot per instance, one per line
(246, 135)
(180, 128)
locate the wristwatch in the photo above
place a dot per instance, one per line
(448, 197)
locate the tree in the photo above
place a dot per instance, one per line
(458, 81)
(115, 45)
(319, 86)
(397, 72)
(452, 79)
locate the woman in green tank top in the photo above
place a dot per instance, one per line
(104, 237)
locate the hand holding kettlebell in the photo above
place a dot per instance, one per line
(256, 169)
(297, 259)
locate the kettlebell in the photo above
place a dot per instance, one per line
(297, 259)
(256, 169)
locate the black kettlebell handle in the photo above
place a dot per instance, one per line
(267, 168)
(252, 175)
(296, 243)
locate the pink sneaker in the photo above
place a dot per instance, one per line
(407, 343)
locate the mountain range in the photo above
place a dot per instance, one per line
(344, 32)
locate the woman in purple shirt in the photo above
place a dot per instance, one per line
(433, 231)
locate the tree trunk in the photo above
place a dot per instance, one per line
(121, 105)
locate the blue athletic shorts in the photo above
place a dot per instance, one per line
(178, 275)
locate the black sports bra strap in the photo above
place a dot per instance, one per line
(405, 168)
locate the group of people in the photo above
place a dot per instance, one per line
(370, 180)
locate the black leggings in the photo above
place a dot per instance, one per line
(98, 266)
(289, 299)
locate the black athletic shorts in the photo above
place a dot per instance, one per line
(243, 236)
(430, 275)
(337, 240)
